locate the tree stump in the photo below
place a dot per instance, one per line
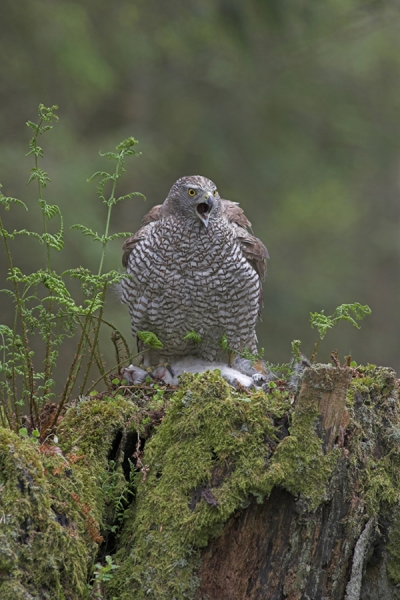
(237, 495)
(339, 551)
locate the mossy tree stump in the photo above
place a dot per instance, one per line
(238, 496)
(347, 546)
(282, 548)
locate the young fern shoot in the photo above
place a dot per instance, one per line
(345, 312)
(49, 211)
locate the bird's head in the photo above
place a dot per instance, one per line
(196, 198)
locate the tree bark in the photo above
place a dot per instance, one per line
(282, 550)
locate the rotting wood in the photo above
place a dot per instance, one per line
(282, 550)
(326, 387)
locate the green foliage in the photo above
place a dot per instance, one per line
(149, 339)
(193, 337)
(104, 573)
(345, 312)
(342, 313)
(43, 304)
(223, 342)
(252, 357)
(245, 353)
(158, 397)
(296, 349)
(6, 202)
(117, 492)
(124, 149)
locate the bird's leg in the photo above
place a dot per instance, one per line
(167, 366)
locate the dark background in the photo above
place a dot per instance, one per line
(291, 107)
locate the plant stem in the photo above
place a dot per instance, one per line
(110, 205)
(112, 369)
(314, 354)
(125, 343)
(29, 380)
(47, 362)
(75, 365)
(5, 415)
(95, 340)
(97, 358)
(35, 137)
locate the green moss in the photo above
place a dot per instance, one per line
(52, 504)
(374, 446)
(36, 551)
(305, 469)
(213, 449)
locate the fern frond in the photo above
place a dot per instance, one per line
(149, 339)
(193, 337)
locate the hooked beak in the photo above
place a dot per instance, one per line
(204, 207)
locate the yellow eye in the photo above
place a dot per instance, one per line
(215, 192)
(192, 192)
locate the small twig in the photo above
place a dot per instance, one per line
(315, 351)
(335, 358)
(115, 339)
(144, 469)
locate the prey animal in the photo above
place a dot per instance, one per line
(194, 275)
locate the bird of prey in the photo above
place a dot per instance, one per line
(194, 275)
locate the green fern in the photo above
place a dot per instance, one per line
(223, 342)
(192, 336)
(43, 304)
(252, 357)
(345, 312)
(149, 339)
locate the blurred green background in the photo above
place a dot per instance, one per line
(291, 107)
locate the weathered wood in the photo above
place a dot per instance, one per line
(326, 387)
(282, 550)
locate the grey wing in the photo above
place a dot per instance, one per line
(253, 249)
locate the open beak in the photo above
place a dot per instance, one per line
(204, 207)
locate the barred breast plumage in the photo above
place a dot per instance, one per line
(193, 266)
